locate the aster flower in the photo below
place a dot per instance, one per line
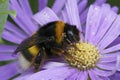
(25, 26)
(94, 59)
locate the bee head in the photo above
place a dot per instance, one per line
(71, 33)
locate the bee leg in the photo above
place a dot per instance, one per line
(57, 51)
(61, 52)
(39, 59)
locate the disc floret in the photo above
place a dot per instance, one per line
(84, 56)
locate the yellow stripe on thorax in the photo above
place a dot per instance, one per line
(34, 50)
(59, 30)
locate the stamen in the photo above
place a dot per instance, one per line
(84, 56)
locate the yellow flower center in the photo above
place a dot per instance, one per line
(84, 56)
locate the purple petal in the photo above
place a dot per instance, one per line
(115, 9)
(106, 66)
(111, 34)
(6, 56)
(73, 14)
(111, 49)
(115, 42)
(100, 2)
(8, 71)
(82, 76)
(57, 8)
(92, 25)
(103, 72)
(116, 76)
(26, 7)
(83, 11)
(105, 78)
(107, 5)
(65, 16)
(73, 75)
(24, 22)
(114, 66)
(83, 16)
(42, 4)
(53, 65)
(15, 30)
(22, 25)
(82, 5)
(105, 23)
(25, 75)
(108, 57)
(117, 66)
(54, 74)
(45, 16)
(11, 37)
(93, 76)
(7, 48)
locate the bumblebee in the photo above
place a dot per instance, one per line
(50, 39)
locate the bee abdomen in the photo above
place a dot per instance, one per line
(24, 64)
(27, 55)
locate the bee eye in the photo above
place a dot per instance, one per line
(71, 37)
(70, 33)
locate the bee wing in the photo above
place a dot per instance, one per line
(30, 41)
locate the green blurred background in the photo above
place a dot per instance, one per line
(114, 3)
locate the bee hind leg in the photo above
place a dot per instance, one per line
(39, 60)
